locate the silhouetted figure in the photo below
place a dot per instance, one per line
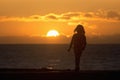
(79, 43)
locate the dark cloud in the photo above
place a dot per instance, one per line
(88, 15)
(104, 39)
(113, 14)
(102, 14)
(51, 16)
(36, 17)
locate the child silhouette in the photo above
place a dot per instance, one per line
(79, 43)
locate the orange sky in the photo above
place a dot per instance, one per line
(37, 17)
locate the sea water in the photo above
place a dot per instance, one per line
(55, 56)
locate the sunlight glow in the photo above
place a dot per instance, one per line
(52, 33)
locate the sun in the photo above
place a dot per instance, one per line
(52, 33)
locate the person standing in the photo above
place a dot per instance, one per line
(79, 43)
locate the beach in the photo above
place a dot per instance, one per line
(44, 74)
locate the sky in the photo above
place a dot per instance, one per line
(36, 17)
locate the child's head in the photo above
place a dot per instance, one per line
(79, 29)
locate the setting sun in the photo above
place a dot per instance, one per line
(52, 33)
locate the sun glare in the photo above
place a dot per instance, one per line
(52, 33)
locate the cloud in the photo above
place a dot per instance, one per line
(88, 15)
(104, 39)
(34, 40)
(72, 17)
(113, 15)
(111, 39)
(35, 17)
(51, 16)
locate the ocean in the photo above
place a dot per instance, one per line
(55, 56)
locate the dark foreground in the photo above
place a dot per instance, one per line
(44, 74)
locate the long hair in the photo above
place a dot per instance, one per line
(80, 29)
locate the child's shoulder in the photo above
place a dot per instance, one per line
(75, 35)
